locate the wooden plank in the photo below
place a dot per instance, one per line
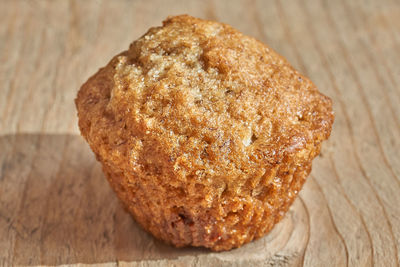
(56, 207)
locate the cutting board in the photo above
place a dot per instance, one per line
(55, 204)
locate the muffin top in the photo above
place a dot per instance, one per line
(195, 99)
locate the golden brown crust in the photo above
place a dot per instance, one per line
(206, 134)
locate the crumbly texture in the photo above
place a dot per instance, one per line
(205, 134)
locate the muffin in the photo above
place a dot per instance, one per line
(205, 134)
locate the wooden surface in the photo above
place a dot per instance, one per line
(55, 204)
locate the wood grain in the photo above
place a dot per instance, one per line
(55, 204)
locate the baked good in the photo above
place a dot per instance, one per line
(205, 134)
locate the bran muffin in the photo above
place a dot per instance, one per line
(205, 134)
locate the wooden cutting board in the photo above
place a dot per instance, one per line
(55, 204)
